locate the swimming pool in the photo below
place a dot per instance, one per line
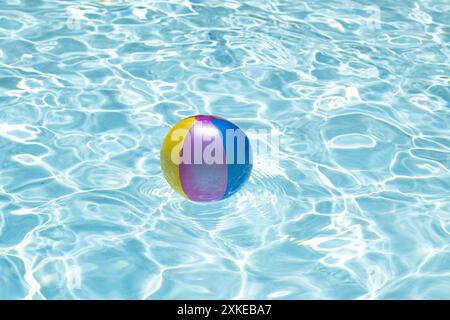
(352, 201)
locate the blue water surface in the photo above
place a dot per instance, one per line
(354, 202)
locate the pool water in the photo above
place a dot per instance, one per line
(351, 202)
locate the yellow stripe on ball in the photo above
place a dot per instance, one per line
(170, 153)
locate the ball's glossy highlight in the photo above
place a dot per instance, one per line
(206, 158)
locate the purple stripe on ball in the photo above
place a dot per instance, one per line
(204, 177)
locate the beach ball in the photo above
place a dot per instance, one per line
(206, 158)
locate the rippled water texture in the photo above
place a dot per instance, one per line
(355, 203)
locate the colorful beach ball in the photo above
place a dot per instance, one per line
(206, 158)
